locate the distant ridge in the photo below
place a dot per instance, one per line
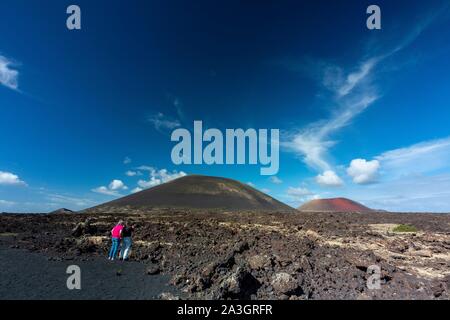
(62, 211)
(197, 192)
(334, 205)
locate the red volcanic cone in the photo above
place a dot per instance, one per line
(334, 205)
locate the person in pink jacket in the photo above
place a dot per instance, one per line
(116, 235)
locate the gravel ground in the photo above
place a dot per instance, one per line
(232, 255)
(28, 275)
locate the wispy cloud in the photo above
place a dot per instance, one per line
(104, 190)
(162, 122)
(298, 195)
(299, 192)
(8, 76)
(7, 203)
(8, 178)
(69, 201)
(127, 160)
(157, 177)
(356, 77)
(352, 92)
(132, 173)
(423, 157)
(145, 168)
(412, 193)
(313, 142)
(275, 180)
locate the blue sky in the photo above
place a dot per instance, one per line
(86, 116)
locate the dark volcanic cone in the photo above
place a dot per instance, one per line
(197, 192)
(334, 205)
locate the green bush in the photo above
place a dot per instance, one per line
(404, 228)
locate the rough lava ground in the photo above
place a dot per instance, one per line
(250, 255)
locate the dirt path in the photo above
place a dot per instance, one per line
(27, 275)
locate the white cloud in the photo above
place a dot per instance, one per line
(158, 177)
(7, 203)
(329, 179)
(8, 178)
(137, 189)
(131, 173)
(149, 183)
(265, 190)
(127, 160)
(160, 121)
(105, 190)
(69, 201)
(112, 189)
(297, 195)
(251, 184)
(363, 171)
(145, 168)
(8, 76)
(413, 178)
(117, 185)
(299, 192)
(275, 179)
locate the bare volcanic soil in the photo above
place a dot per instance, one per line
(250, 255)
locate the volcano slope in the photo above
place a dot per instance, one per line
(199, 192)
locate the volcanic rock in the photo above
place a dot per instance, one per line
(256, 255)
(152, 269)
(168, 296)
(83, 228)
(240, 284)
(284, 283)
(259, 261)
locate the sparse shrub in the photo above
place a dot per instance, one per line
(404, 228)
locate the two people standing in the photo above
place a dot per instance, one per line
(121, 233)
(127, 233)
